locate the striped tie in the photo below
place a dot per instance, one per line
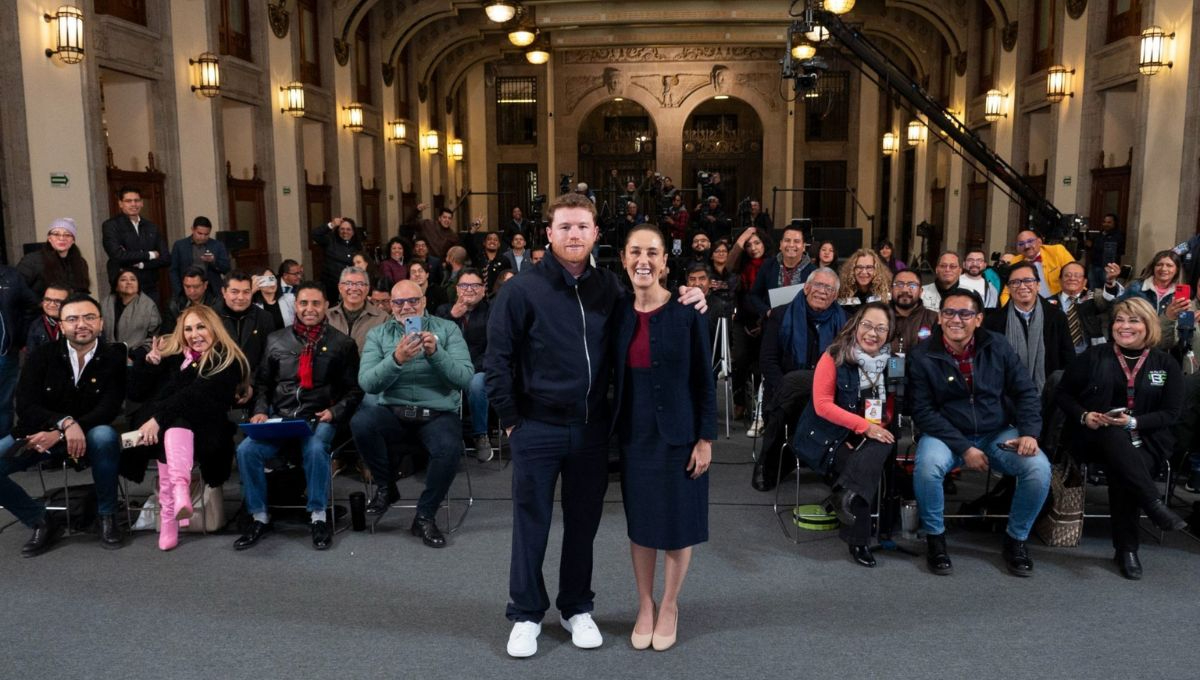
(1073, 323)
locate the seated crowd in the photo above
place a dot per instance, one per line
(390, 354)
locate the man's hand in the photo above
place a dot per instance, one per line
(76, 441)
(459, 309)
(429, 343)
(244, 394)
(975, 459)
(1111, 271)
(335, 223)
(1024, 446)
(407, 349)
(693, 297)
(421, 207)
(43, 441)
(325, 416)
(258, 418)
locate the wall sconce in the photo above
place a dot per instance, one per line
(399, 131)
(537, 55)
(522, 36)
(838, 6)
(208, 74)
(993, 105)
(455, 149)
(917, 132)
(293, 99)
(354, 117)
(68, 41)
(890, 143)
(1058, 83)
(500, 11)
(430, 142)
(1152, 57)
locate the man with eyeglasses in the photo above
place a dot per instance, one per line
(353, 316)
(975, 406)
(470, 313)
(914, 323)
(309, 372)
(1085, 309)
(417, 365)
(794, 337)
(70, 391)
(291, 273)
(1036, 328)
(945, 279)
(45, 328)
(18, 307)
(1048, 260)
(134, 242)
(975, 276)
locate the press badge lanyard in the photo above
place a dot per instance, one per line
(1130, 376)
(878, 410)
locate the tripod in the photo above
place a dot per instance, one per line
(723, 366)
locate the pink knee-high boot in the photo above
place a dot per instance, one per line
(168, 528)
(178, 444)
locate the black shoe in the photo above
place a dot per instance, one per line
(427, 529)
(381, 502)
(45, 533)
(322, 536)
(252, 536)
(111, 537)
(936, 555)
(1192, 485)
(1164, 518)
(1016, 557)
(1129, 564)
(762, 480)
(862, 555)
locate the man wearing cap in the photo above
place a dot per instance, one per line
(134, 242)
(202, 251)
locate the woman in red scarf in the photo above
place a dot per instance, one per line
(746, 258)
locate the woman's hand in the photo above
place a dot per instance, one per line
(154, 356)
(880, 434)
(1093, 420)
(1115, 421)
(741, 240)
(149, 432)
(1176, 308)
(701, 458)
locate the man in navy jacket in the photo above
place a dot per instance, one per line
(134, 242)
(202, 251)
(975, 405)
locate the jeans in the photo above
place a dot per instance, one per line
(103, 453)
(374, 425)
(935, 461)
(478, 403)
(253, 454)
(10, 365)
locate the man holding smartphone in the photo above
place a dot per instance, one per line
(199, 250)
(417, 365)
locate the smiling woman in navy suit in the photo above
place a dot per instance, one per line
(667, 413)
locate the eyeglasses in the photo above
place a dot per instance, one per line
(355, 284)
(948, 265)
(964, 314)
(1027, 281)
(1026, 243)
(819, 287)
(469, 286)
(406, 302)
(53, 301)
(868, 327)
(975, 260)
(1074, 276)
(864, 267)
(911, 285)
(90, 318)
(60, 234)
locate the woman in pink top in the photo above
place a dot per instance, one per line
(845, 430)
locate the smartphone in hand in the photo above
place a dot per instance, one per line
(412, 325)
(1117, 412)
(1183, 291)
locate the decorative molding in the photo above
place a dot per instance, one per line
(389, 74)
(1076, 8)
(765, 84)
(279, 18)
(341, 51)
(636, 55)
(1008, 37)
(577, 87)
(670, 90)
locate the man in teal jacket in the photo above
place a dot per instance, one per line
(418, 373)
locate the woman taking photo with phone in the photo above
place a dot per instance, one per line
(189, 380)
(1119, 401)
(667, 418)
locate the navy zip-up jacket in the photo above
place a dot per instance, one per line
(944, 408)
(549, 357)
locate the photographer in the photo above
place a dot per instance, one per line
(759, 219)
(712, 218)
(676, 217)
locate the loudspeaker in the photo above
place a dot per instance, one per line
(234, 240)
(845, 240)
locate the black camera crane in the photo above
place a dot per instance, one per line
(1043, 216)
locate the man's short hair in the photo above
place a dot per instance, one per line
(837, 281)
(470, 271)
(455, 255)
(1076, 263)
(976, 301)
(193, 271)
(201, 221)
(1024, 265)
(61, 286)
(908, 272)
(309, 285)
(351, 271)
(128, 189)
(286, 265)
(537, 249)
(792, 227)
(235, 275)
(975, 250)
(699, 267)
(944, 253)
(571, 201)
(445, 211)
(74, 298)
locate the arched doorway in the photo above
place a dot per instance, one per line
(724, 136)
(616, 146)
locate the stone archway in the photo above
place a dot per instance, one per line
(617, 144)
(724, 136)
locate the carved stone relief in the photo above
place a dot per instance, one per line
(765, 84)
(1008, 37)
(279, 18)
(389, 74)
(1076, 8)
(341, 51)
(617, 55)
(670, 90)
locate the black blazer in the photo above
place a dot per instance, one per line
(1055, 334)
(681, 363)
(47, 393)
(127, 247)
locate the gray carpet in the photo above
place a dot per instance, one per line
(754, 604)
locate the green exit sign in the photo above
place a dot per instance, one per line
(59, 180)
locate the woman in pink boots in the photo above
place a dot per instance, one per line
(190, 380)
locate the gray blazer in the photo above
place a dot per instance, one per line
(139, 322)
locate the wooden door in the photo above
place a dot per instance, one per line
(1110, 194)
(977, 214)
(248, 213)
(152, 185)
(318, 211)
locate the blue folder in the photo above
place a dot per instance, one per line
(277, 429)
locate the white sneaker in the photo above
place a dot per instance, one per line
(583, 630)
(756, 428)
(522, 641)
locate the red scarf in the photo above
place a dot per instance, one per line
(309, 336)
(51, 327)
(750, 272)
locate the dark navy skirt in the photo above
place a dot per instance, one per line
(665, 508)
